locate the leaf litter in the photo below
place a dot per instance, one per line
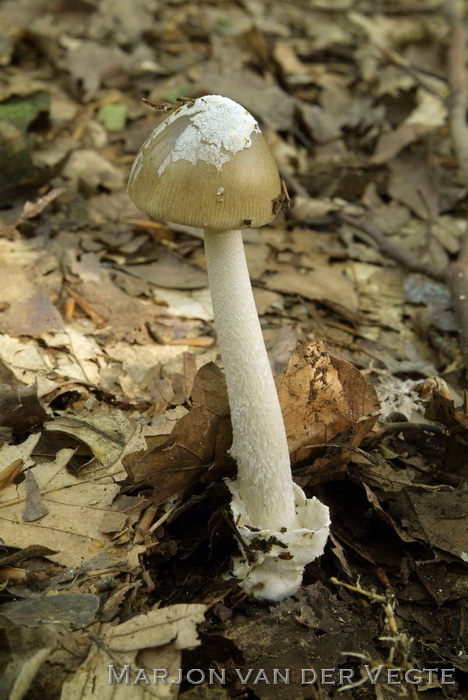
(114, 419)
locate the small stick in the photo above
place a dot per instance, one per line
(455, 275)
(87, 308)
(408, 260)
(459, 94)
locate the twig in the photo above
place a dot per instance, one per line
(401, 426)
(395, 252)
(292, 183)
(399, 641)
(87, 308)
(457, 273)
(405, 65)
(362, 591)
(457, 280)
(458, 90)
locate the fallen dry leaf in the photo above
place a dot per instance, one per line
(28, 310)
(34, 508)
(411, 182)
(430, 114)
(104, 431)
(23, 451)
(176, 624)
(20, 407)
(198, 441)
(73, 610)
(10, 472)
(30, 210)
(170, 271)
(89, 170)
(322, 397)
(326, 285)
(189, 304)
(439, 518)
(119, 646)
(75, 511)
(384, 476)
(95, 64)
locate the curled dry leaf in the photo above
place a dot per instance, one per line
(200, 439)
(323, 397)
(10, 472)
(441, 408)
(20, 407)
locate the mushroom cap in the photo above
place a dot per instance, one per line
(207, 165)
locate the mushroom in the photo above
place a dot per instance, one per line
(208, 166)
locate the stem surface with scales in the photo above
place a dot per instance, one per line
(259, 445)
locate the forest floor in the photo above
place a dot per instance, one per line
(114, 421)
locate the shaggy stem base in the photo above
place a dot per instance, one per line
(272, 563)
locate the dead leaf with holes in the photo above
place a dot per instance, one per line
(323, 397)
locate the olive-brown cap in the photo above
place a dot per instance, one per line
(207, 165)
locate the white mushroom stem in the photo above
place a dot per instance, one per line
(260, 449)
